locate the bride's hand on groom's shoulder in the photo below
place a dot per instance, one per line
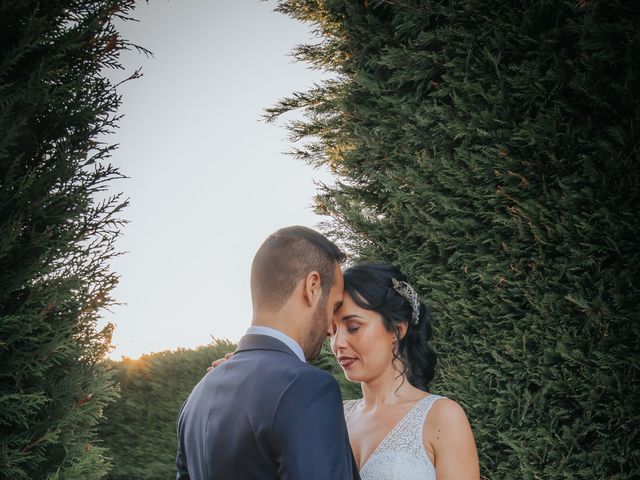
(220, 361)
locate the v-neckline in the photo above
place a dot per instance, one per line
(398, 423)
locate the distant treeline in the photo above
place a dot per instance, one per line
(139, 429)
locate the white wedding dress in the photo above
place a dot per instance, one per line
(401, 454)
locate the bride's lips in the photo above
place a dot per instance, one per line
(346, 361)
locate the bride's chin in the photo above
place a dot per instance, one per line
(352, 378)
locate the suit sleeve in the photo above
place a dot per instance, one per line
(182, 473)
(181, 467)
(309, 434)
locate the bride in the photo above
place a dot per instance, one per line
(398, 430)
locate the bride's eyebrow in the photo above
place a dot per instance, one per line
(349, 317)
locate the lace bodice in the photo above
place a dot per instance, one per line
(401, 454)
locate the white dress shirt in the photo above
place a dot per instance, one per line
(286, 339)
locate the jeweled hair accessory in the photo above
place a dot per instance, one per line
(407, 291)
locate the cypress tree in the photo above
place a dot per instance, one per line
(56, 235)
(490, 150)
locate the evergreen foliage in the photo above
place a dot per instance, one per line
(490, 150)
(139, 429)
(55, 238)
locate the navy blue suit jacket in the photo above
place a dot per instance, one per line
(264, 414)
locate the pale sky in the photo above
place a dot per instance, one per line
(209, 181)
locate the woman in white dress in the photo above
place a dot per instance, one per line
(398, 430)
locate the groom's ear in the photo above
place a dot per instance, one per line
(312, 288)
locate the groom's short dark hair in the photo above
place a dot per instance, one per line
(286, 257)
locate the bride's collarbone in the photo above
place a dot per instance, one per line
(387, 413)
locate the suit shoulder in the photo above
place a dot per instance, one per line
(310, 390)
(315, 375)
(309, 381)
(303, 371)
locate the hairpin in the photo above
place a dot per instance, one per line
(407, 291)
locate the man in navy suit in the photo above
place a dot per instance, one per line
(265, 413)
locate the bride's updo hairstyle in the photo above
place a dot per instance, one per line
(376, 287)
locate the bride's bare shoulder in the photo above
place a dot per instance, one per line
(447, 436)
(445, 411)
(446, 421)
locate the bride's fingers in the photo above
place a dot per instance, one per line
(215, 363)
(220, 361)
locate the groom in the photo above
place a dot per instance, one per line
(265, 413)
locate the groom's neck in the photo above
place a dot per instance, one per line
(279, 322)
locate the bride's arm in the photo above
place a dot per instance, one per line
(447, 434)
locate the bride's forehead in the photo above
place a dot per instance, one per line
(352, 311)
(348, 305)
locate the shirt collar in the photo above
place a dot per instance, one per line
(272, 332)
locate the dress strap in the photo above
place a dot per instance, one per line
(349, 406)
(416, 418)
(423, 410)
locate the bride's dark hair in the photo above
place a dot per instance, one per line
(371, 287)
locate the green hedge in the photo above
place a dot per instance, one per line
(139, 430)
(490, 150)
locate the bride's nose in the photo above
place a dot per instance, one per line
(338, 339)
